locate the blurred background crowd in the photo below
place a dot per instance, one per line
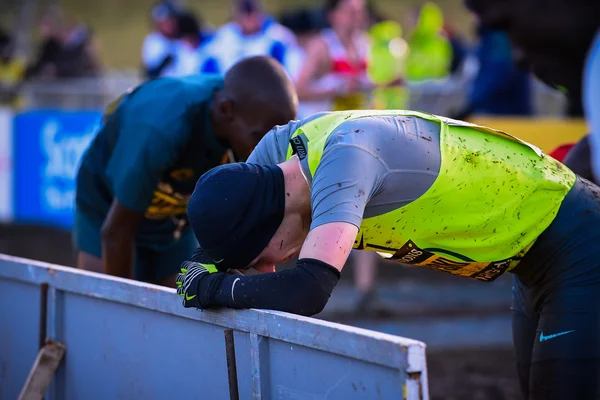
(341, 54)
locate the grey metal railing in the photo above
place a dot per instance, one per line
(126, 339)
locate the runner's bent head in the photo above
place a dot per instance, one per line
(257, 95)
(235, 210)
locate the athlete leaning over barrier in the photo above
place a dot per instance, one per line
(421, 190)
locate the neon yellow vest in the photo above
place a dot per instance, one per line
(493, 197)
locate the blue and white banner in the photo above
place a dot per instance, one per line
(48, 146)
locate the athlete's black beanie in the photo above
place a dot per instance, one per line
(235, 210)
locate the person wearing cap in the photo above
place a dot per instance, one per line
(136, 177)
(417, 189)
(159, 46)
(252, 32)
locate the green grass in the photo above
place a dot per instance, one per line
(121, 25)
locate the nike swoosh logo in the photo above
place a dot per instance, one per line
(232, 286)
(188, 297)
(544, 338)
(220, 261)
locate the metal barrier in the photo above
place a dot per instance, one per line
(127, 339)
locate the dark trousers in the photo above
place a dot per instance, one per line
(556, 303)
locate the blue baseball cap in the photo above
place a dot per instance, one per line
(235, 210)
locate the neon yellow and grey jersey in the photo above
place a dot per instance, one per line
(425, 190)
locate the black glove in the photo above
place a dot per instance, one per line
(188, 284)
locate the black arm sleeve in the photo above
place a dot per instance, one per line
(302, 290)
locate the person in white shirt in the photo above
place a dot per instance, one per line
(252, 32)
(189, 55)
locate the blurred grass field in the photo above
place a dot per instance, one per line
(120, 25)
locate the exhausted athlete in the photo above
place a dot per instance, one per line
(418, 189)
(155, 142)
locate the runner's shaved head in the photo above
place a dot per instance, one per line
(257, 95)
(260, 85)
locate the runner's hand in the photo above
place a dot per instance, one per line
(188, 283)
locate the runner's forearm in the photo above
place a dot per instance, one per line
(302, 290)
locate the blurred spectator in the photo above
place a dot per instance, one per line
(334, 76)
(305, 24)
(556, 42)
(188, 55)
(459, 47)
(12, 72)
(499, 87)
(67, 50)
(387, 58)
(79, 54)
(430, 52)
(50, 46)
(252, 32)
(553, 40)
(158, 48)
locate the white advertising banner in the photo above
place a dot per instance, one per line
(6, 164)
